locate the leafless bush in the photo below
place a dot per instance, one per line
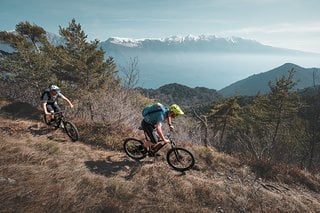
(113, 106)
(21, 91)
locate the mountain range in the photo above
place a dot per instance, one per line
(201, 61)
(203, 43)
(258, 83)
(223, 64)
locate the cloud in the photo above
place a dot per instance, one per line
(278, 29)
(301, 36)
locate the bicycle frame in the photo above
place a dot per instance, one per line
(172, 143)
(60, 121)
(59, 117)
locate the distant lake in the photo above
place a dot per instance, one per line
(214, 71)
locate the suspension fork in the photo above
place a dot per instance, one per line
(173, 145)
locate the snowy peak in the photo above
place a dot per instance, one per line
(177, 39)
(186, 44)
(55, 39)
(126, 42)
(191, 43)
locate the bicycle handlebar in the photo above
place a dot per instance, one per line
(60, 112)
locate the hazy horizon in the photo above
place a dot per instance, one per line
(292, 24)
(211, 70)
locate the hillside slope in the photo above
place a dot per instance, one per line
(41, 170)
(259, 82)
(182, 95)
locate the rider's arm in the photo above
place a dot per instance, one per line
(169, 122)
(160, 132)
(44, 107)
(66, 99)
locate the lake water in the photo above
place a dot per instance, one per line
(214, 71)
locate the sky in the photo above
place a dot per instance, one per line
(293, 24)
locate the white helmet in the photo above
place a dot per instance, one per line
(54, 88)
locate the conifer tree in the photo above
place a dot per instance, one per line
(271, 117)
(84, 67)
(84, 61)
(282, 102)
(33, 33)
(31, 67)
(225, 114)
(311, 114)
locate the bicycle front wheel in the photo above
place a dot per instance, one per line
(46, 119)
(71, 130)
(134, 148)
(180, 159)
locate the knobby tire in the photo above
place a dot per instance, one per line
(134, 148)
(180, 159)
(71, 130)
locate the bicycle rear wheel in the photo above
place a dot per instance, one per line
(71, 130)
(180, 159)
(134, 148)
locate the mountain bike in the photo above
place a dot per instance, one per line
(60, 121)
(178, 158)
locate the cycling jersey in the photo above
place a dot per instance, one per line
(50, 99)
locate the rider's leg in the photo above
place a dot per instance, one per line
(151, 133)
(157, 146)
(50, 109)
(56, 107)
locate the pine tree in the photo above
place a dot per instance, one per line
(271, 117)
(83, 65)
(33, 33)
(31, 67)
(84, 62)
(311, 114)
(224, 115)
(282, 103)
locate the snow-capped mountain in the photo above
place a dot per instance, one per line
(55, 39)
(176, 40)
(189, 43)
(204, 60)
(207, 43)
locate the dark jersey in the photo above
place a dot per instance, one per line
(50, 99)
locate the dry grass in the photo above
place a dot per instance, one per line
(286, 174)
(41, 170)
(104, 135)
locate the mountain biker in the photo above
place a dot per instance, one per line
(49, 101)
(152, 125)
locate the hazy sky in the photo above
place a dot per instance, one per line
(291, 24)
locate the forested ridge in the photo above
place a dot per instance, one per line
(270, 138)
